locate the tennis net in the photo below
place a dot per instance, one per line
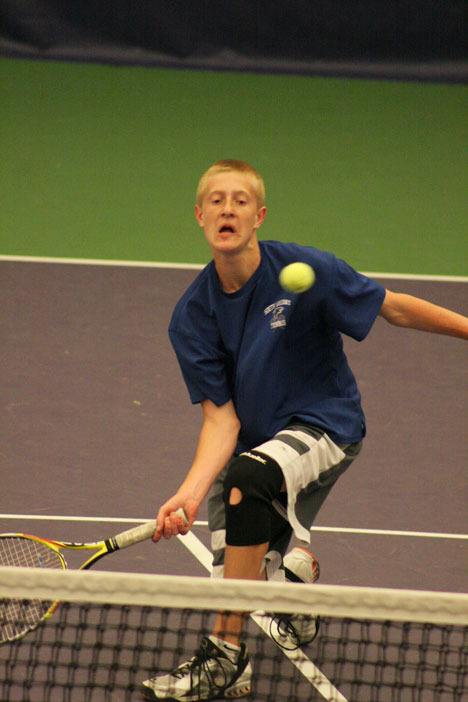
(114, 630)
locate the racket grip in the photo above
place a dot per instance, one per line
(142, 532)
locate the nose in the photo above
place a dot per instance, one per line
(228, 208)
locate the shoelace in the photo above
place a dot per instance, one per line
(284, 628)
(198, 666)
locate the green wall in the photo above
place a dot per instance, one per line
(102, 162)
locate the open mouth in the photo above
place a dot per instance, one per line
(226, 229)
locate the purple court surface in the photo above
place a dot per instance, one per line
(97, 425)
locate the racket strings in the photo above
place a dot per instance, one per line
(24, 552)
(19, 616)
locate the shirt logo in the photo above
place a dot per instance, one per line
(276, 310)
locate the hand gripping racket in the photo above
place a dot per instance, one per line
(18, 617)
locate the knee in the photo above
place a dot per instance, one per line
(253, 476)
(240, 481)
(250, 485)
(235, 496)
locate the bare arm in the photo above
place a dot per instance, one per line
(412, 312)
(216, 445)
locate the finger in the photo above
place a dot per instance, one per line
(158, 533)
(183, 526)
(180, 519)
(176, 523)
(170, 524)
(170, 528)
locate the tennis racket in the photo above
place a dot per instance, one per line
(18, 617)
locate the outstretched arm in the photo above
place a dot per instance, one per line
(216, 445)
(412, 312)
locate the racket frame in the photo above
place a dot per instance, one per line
(102, 548)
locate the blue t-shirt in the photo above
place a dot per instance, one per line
(277, 355)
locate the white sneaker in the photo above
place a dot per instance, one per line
(214, 673)
(301, 566)
(292, 631)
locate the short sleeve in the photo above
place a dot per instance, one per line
(203, 368)
(353, 301)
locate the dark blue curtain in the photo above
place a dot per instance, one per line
(402, 39)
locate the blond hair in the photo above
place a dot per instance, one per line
(232, 165)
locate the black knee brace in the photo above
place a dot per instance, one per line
(259, 480)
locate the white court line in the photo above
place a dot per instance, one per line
(338, 530)
(103, 262)
(66, 518)
(392, 532)
(199, 266)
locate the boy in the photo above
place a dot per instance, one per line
(282, 418)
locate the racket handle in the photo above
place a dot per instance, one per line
(141, 533)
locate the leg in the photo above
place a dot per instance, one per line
(311, 463)
(251, 484)
(280, 533)
(244, 562)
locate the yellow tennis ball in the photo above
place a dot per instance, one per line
(297, 277)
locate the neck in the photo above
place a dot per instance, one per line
(234, 270)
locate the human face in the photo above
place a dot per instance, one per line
(229, 214)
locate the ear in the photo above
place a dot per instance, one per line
(261, 214)
(199, 215)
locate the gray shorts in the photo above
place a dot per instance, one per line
(311, 464)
